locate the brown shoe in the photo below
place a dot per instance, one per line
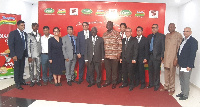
(171, 92)
(45, 83)
(163, 89)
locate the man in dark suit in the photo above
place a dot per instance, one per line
(94, 56)
(143, 55)
(186, 57)
(18, 51)
(128, 59)
(156, 51)
(81, 41)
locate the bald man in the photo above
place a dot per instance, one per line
(173, 40)
(94, 56)
(186, 57)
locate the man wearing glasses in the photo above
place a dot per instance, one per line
(81, 39)
(156, 51)
(128, 59)
(186, 56)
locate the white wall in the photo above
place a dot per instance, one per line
(170, 17)
(189, 15)
(18, 7)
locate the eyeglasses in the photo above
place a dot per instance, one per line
(85, 25)
(56, 31)
(128, 31)
(186, 31)
(154, 27)
(139, 30)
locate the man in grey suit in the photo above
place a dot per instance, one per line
(94, 55)
(34, 52)
(69, 52)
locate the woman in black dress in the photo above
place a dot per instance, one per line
(56, 57)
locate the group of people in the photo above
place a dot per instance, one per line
(124, 56)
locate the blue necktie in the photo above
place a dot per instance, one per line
(151, 44)
(23, 40)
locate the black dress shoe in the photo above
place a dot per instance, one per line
(122, 86)
(105, 85)
(99, 85)
(69, 83)
(23, 83)
(19, 87)
(113, 86)
(91, 84)
(38, 83)
(149, 86)
(179, 95)
(156, 88)
(142, 87)
(131, 88)
(183, 98)
(56, 84)
(32, 84)
(59, 84)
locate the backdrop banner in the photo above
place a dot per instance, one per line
(64, 13)
(8, 23)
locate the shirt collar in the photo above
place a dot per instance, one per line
(139, 36)
(188, 37)
(19, 31)
(128, 38)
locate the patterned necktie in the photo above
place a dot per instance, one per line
(151, 44)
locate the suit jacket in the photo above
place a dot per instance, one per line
(81, 42)
(67, 47)
(143, 49)
(16, 45)
(188, 53)
(34, 46)
(99, 52)
(131, 52)
(158, 45)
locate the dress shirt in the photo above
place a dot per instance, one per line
(123, 35)
(183, 43)
(44, 43)
(139, 38)
(86, 33)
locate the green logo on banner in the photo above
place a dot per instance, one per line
(49, 10)
(86, 11)
(125, 12)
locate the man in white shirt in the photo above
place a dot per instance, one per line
(44, 56)
(34, 52)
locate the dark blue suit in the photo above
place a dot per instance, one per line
(16, 47)
(81, 50)
(188, 53)
(186, 59)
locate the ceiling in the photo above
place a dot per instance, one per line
(172, 3)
